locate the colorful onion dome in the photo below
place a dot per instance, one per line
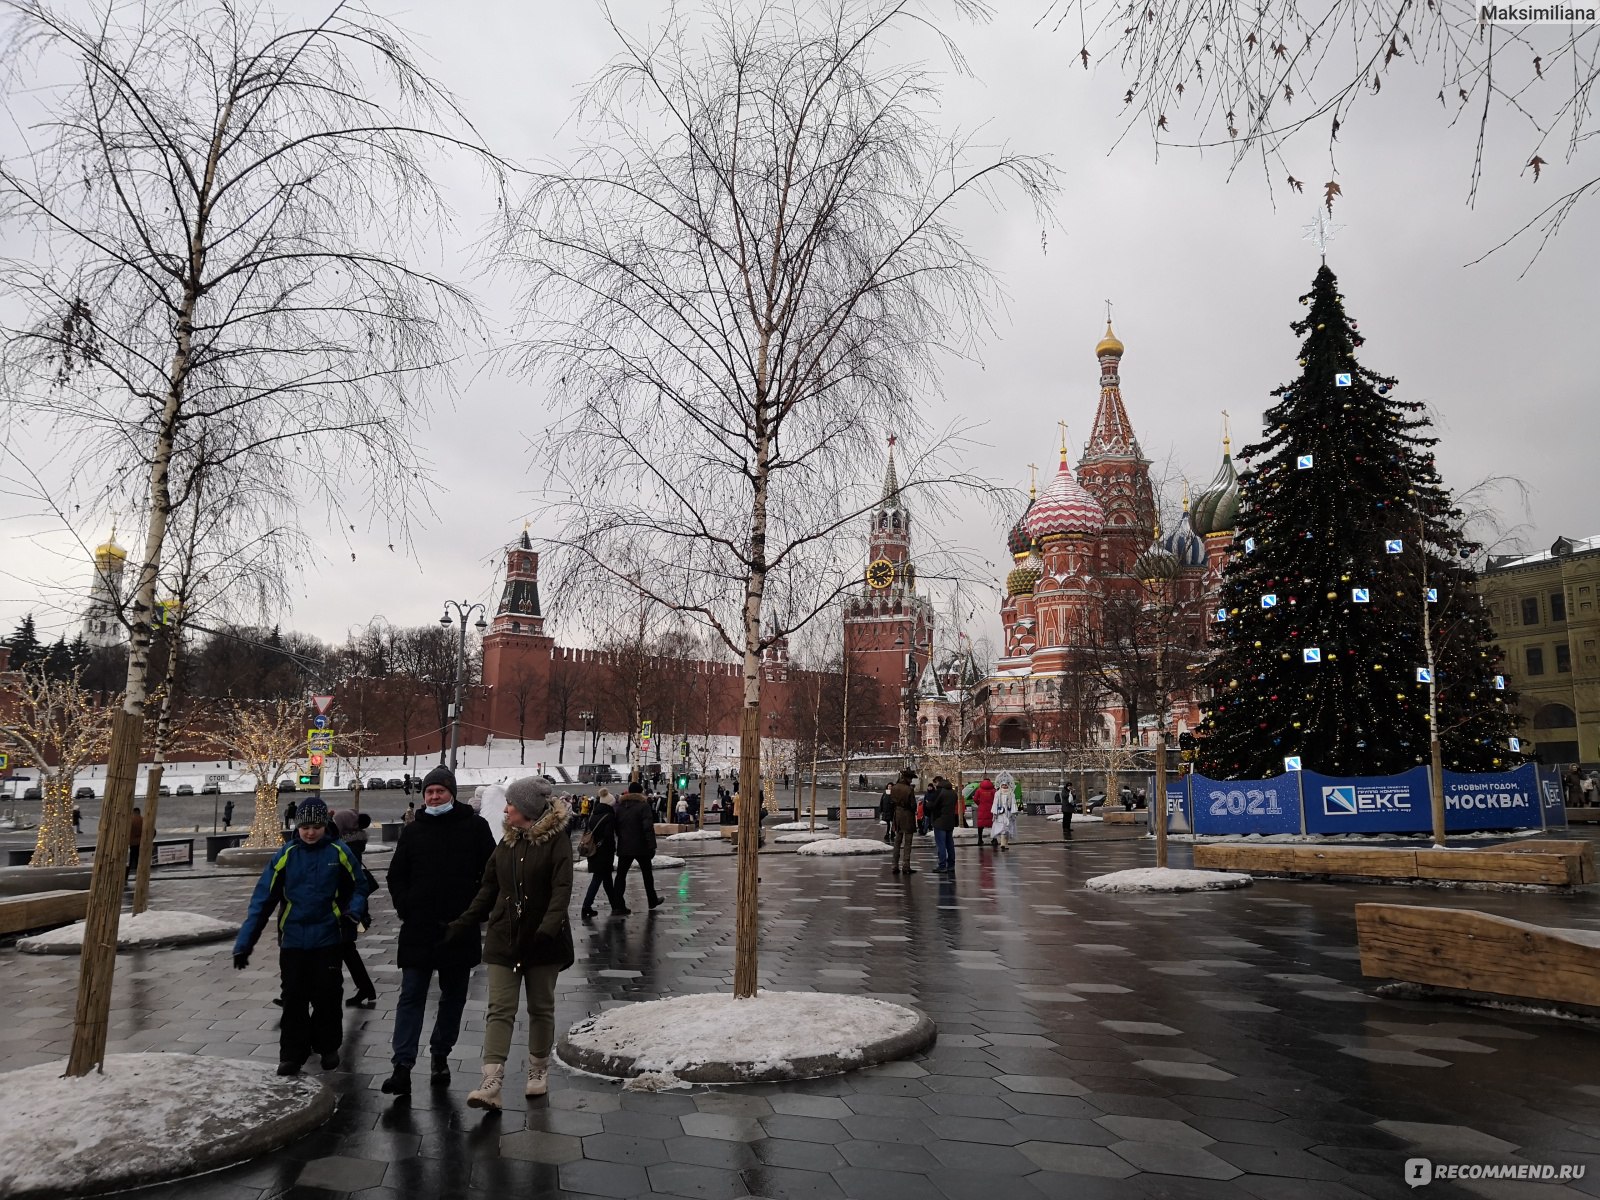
(1184, 544)
(1065, 509)
(1018, 541)
(1157, 562)
(1217, 508)
(1110, 344)
(1024, 578)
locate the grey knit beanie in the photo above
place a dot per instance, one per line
(529, 795)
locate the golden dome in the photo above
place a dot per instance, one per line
(1108, 345)
(109, 551)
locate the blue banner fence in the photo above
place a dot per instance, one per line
(1529, 797)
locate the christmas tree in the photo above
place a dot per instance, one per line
(1348, 594)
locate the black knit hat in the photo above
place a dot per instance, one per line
(312, 811)
(443, 776)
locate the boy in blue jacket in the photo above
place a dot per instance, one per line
(316, 880)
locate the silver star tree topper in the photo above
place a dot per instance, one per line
(1322, 230)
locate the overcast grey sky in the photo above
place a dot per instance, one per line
(1204, 273)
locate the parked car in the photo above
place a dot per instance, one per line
(163, 790)
(211, 789)
(286, 785)
(397, 784)
(375, 784)
(31, 794)
(186, 789)
(83, 793)
(353, 785)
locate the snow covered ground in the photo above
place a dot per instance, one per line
(148, 1117)
(838, 847)
(694, 835)
(149, 928)
(1167, 879)
(718, 1039)
(1077, 818)
(821, 835)
(665, 862)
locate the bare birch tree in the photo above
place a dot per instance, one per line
(1248, 77)
(221, 205)
(737, 289)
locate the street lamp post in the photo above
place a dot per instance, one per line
(587, 717)
(464, 610)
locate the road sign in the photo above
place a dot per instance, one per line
(323, 703)
(319, 741)
(319, 722)
(5, 762)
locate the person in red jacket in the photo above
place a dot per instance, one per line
(985, 800)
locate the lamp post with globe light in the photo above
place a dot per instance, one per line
(464, 610)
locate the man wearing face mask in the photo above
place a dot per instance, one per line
(433, 878)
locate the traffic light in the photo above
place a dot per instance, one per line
(683, 781)
(1186, 740)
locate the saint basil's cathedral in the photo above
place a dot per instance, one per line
(1088, 551)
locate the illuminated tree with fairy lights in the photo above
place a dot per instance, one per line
(1347, 605)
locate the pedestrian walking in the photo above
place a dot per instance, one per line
(925, 807)
(1003, 811)
(290, 816)
(903, 802)
(135, 839)
(77, 819)
(406, 784)
(599, 847)
(437, 867)
(984, 798)
(636, 843)
(315, 880)
(1069, 804)
(528, 942)
(946, 814)
(347, 823)
(410, 814)
(886, 812)
(227, 814)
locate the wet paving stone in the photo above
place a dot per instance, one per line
(1146, 1048)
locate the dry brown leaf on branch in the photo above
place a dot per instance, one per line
(1536, 163)
(1084, 54)
(1127, 97)
(1392, 53)
(1280, 50)
(1161, 121)
(1251, 40)
(1336, 129)
(1377, 84)
(1537, 69)
(1288, 94)
(1329, 191)
(1296, 184)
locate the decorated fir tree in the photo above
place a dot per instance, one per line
(1348, 575)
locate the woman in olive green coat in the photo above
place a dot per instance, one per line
(526, 889)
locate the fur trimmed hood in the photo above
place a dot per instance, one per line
(553, 821)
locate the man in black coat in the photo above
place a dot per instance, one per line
(943, 815)
(636, 842)
(433, 877)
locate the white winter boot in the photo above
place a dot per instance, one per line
(487, 1094)
(538, 1075)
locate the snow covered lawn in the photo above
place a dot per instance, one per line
(835, 847)
(148, 1117)
(1077, 818)
(717, 1039)
(1167, 879)
(820, 835)
(148, 929)
(664, 862)
(790, 826)
(694, 835)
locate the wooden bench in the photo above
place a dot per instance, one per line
(1542, 863)
(1123, 816)
(41, 910)
(1467, 952)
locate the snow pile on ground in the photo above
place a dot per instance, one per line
(1167, 879)
(791, 825)
(820, 835)
(656, 1081)
(718, 1039)
(835, 847)
(148, 1117)
(664, 862)
(1077, 818)
(694, 835)
(965, 833)
(149, 928)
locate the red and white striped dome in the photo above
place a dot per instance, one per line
(1064, 507)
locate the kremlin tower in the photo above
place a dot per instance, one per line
(102, 619)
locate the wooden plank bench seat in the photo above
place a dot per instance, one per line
(1542, 863)
(1121, 816)
(41, 910)
(1465, 951)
